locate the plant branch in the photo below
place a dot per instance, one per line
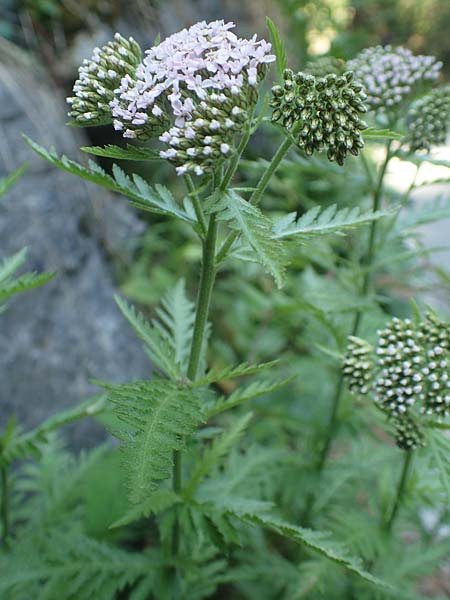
(207, 278)
(388, 523)
(196, 203)
(5, 505)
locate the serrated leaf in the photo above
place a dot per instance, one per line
(231, 372)
(316, 222)
(255, 228)
(142, 195)
(24, 283)
(277, 47)
(159, 416)
(11, 179)
(315, 540)
(155, 504)
(373, 134)
(22, 445)
(245, 393)
(11, 264)
(128, 152)
(213, 455)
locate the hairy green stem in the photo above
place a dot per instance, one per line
(407, 462)
(5, 505)
(207, 278)
(196, 203)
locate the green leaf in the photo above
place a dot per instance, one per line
(214, 375)
(316, 222)
(278, 47)
(374, 134)
(157, 200)
(20, 446)
(423, 213)
(11, 179)
(176, 315)
(168, 337)
(160, 415)
(155, 504)
(314, 540)
(219, 449)
(440, 448)
(11, 264)
(24, 283)
(68, 564)
(120, 153)
(255, 228)
(245, 393)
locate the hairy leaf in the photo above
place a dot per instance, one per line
(256, 230)
(316, 222)
(157, 200)
(277, 47)
(216, 452)
(120, 153)
(11, 179)
(159, 416)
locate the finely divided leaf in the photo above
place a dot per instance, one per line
(160, 415)
(11, 179)
(122, 153)
(255, 228)
(157, 502)
(218, 450)
(440, 448)
(24, 283)
(316, 222)
(277, 47)
(158, 346)
(214, 376)
(156, 200)
(315, 540)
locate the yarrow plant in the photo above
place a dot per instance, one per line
(210, 499)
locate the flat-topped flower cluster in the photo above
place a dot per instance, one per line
(390, 75)
(409, 367)
(196, 90)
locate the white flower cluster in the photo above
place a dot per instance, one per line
(390, 75)
(199, 85)
(99, 76)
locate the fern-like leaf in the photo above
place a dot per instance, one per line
(24, 283)
(23, 445)
(315, 222)
(256, 230)
(168, 337)
(156, 200)
(245, 393)
(314, 540)
(159, 416)
(278, 47)
(69, 565)
(11, 179)
(155, 504)
(213, 455)
(216, 375)
(119, 153)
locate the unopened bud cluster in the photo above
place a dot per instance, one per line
(99, 77)
(358, 366)
(428, 120)
(390, 75)
(408, 370)
(408, 434)
(321, 113)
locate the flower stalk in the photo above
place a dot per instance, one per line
(407, 463)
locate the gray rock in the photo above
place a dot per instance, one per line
(55, 339)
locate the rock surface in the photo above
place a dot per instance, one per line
(55, 339)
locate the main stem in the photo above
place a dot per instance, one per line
(377, 195)
(5, 505)
(207, 278)
(387, 525)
